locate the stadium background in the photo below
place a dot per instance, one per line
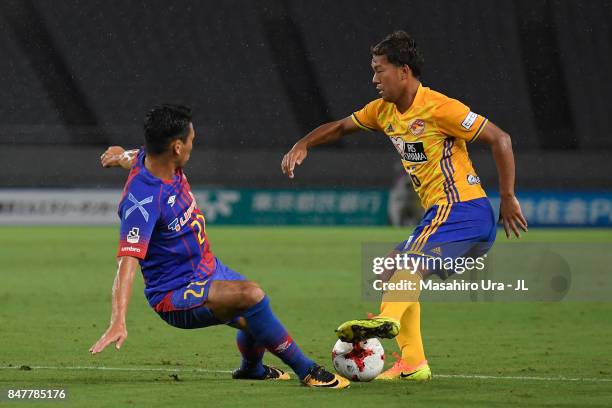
(77, 76)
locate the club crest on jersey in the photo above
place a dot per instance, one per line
(134, 235)
(171, 200)
(138, 205)
(417, 127)
(413, 152)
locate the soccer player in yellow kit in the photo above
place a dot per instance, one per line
(430, 132)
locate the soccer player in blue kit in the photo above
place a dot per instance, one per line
(163, 230)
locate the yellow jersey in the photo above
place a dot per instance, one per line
(431, 139)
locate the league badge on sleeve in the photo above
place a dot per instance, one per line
(134, 235)
(469, 120)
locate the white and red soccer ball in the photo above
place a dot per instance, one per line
(361, 361)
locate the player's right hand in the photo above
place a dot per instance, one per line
(112, 156)
(114, 334)
(296, 155)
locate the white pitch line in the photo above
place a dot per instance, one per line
(204, 370)
(162, 369)
(510, 377)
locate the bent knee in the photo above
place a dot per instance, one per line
(251, 294)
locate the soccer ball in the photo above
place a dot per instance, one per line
(361, 361)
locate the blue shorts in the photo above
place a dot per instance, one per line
(184, 307)
(464, 229)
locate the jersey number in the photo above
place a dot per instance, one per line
(199, 224)
(415, 180)
(193, 292)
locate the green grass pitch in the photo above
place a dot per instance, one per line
(55, 303)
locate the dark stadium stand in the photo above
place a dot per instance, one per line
(225, 59)
(127, 57)
(584, 33)
(471, 53)
(25, 112)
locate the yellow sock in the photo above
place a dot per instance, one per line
(394, 310)
(409, 338)
(403, 305)
(396, 301)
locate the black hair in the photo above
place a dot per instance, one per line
(163, 124)
(400, 49)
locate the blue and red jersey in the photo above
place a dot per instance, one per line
(163, 227)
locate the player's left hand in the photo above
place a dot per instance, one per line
(511, 216)
(112, 156)
(114, 334)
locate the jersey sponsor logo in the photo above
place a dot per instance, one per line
(398, 142)
(469, 120)
(134, 235)
(177, 223)
(417, 127)
(138, 205)
(131, 249)
(410, 151)
(174, 225)
(471, 179)
(172, 200)
(389, 129)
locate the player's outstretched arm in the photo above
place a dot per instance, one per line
(510, 213)
(122, 289)
(326, 133)
(117, 156)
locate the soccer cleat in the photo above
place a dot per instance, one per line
(355, 331)
(401, 371)
(271, 373)
(319, 377)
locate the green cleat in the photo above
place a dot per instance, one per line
(420, 375)
(401, 371)
(357, 330)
